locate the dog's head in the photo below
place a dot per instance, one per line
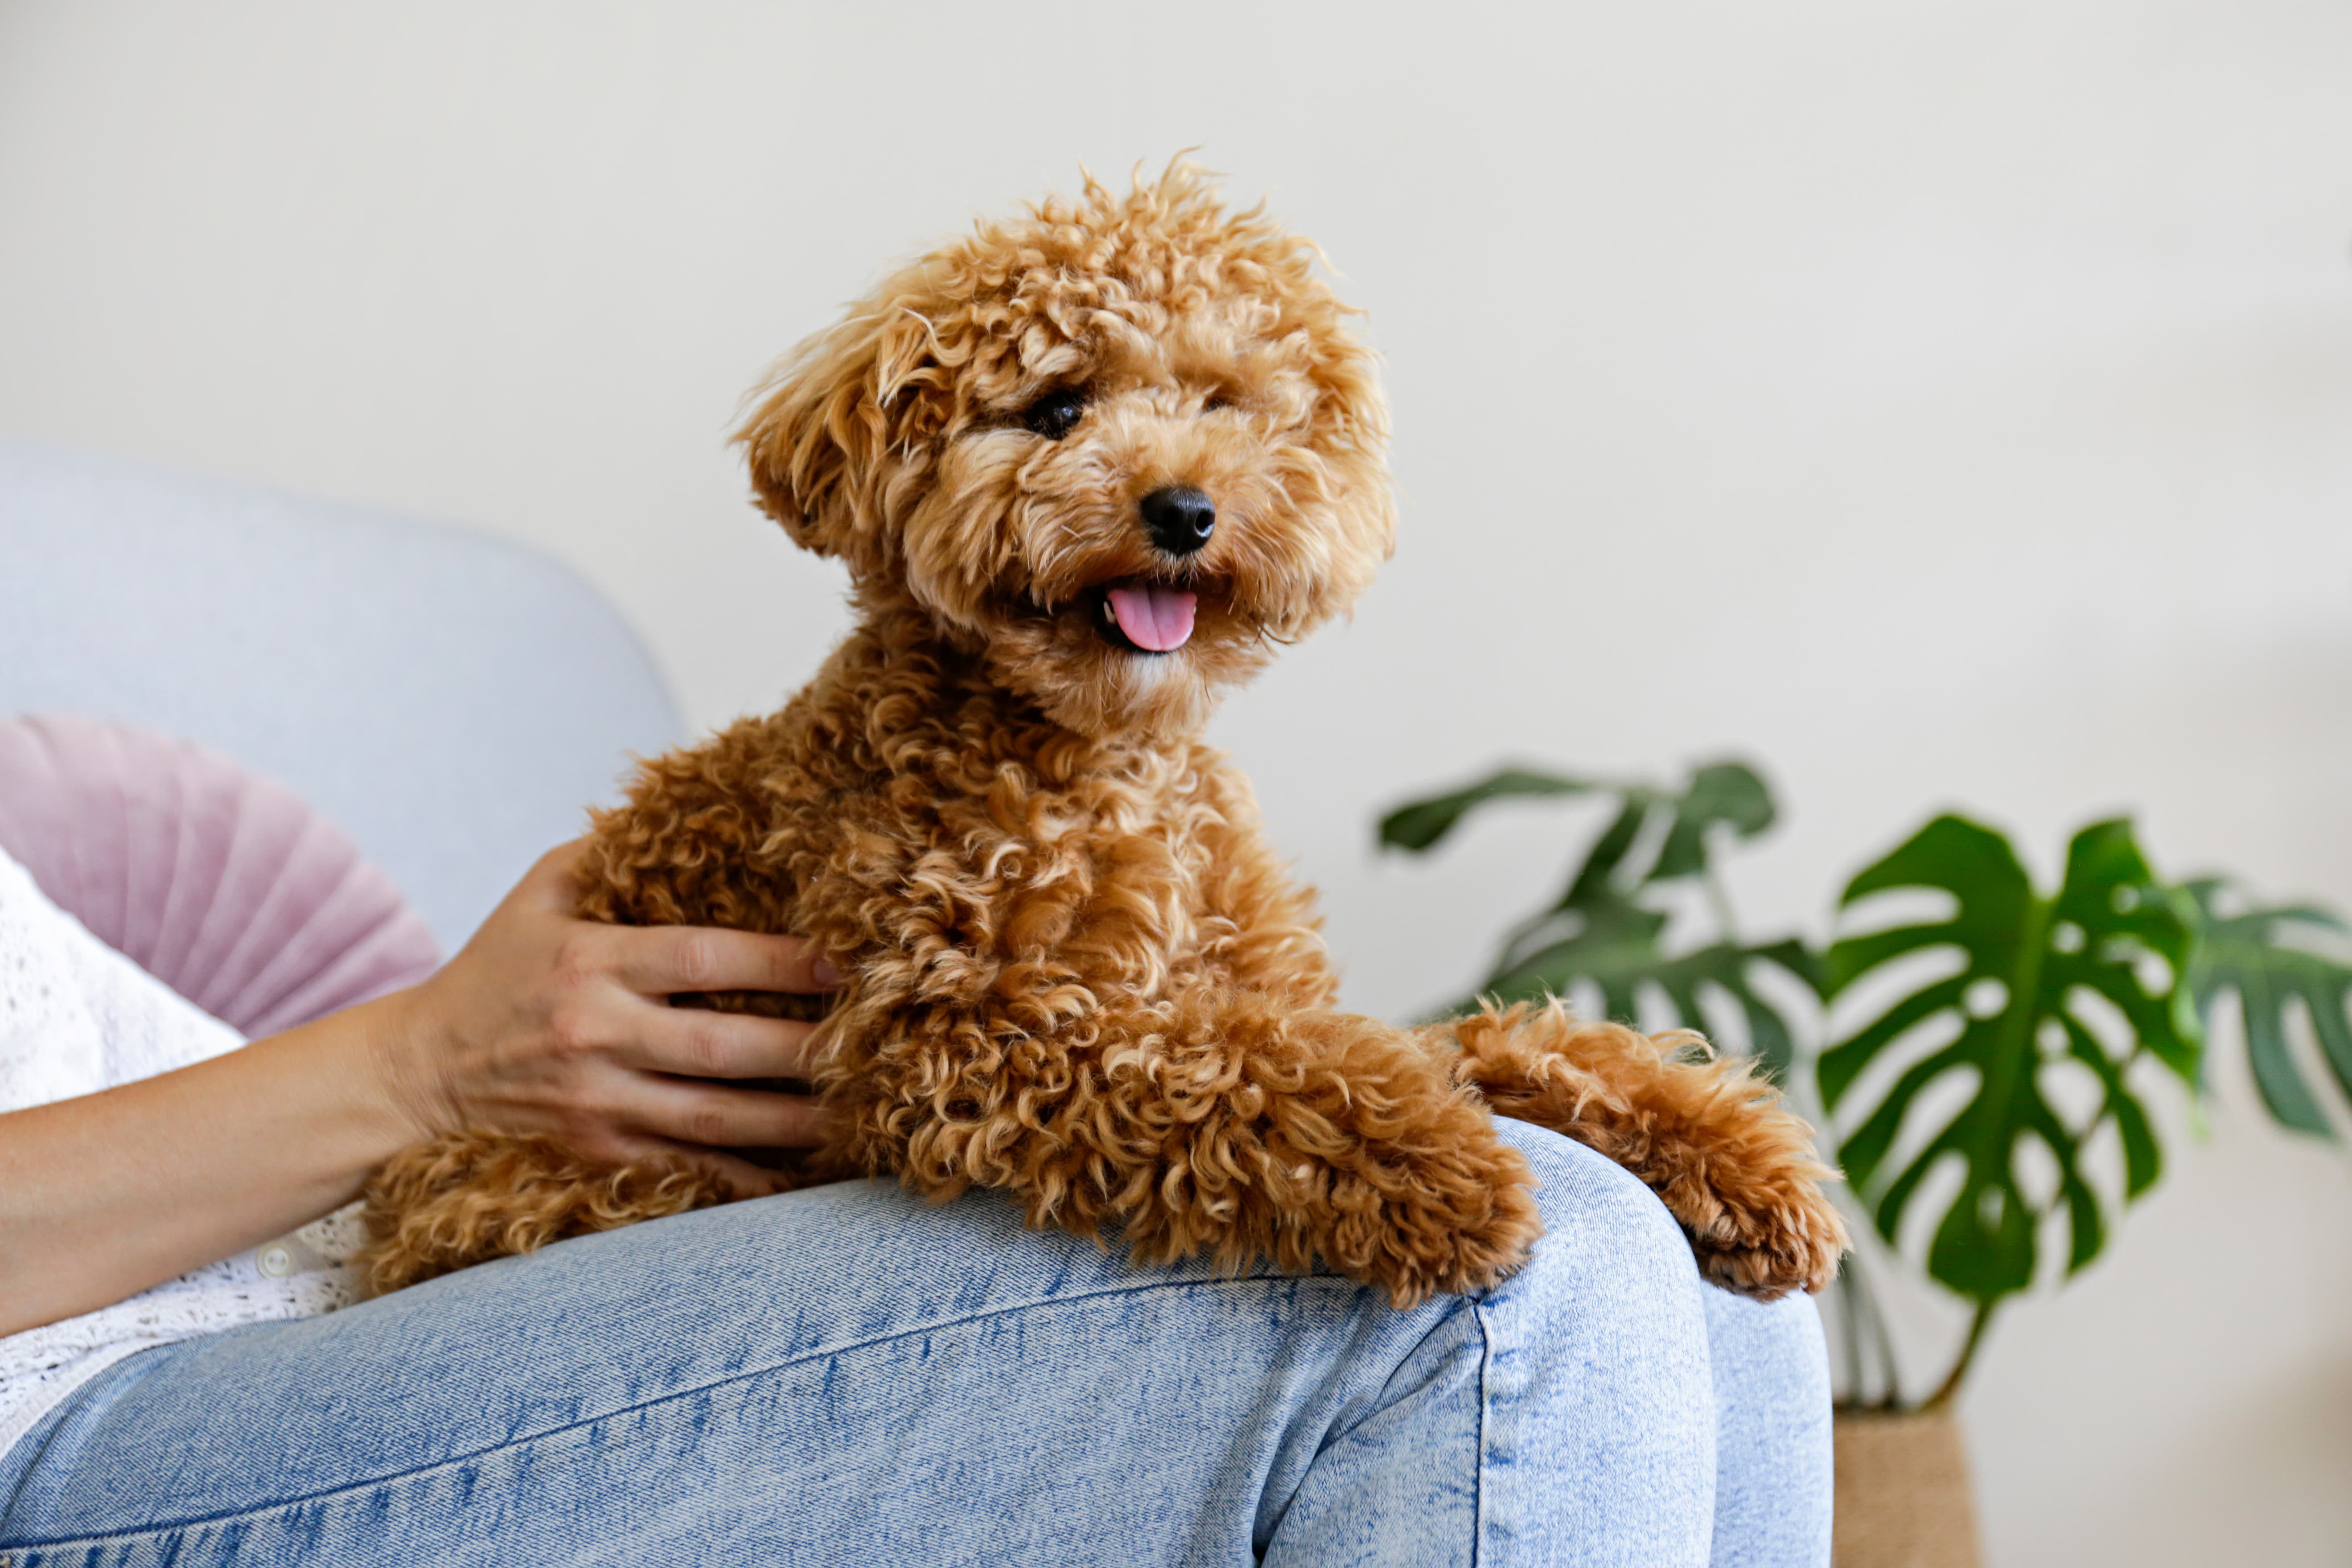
(1117, 448)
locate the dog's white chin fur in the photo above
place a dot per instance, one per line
(1142, 672)
(1160, 691)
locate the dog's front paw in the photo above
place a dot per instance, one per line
(1759, 1219)
(1719, 1145)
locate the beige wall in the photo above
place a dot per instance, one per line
(1941, 403)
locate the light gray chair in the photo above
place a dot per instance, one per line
(452, 701)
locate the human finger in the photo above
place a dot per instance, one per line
(717, 1116)
(662, 960)
(696, 1042)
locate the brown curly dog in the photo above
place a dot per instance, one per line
(1087, 468)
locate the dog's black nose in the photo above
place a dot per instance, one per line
(1179, 518)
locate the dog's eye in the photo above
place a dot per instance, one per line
(1215, 403)
(1057, 413)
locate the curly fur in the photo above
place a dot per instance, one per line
(490, 1195)
(1076, 972)
(1707, 1134)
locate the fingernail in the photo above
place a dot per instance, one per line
(825, 974)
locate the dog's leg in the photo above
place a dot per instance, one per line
(1735, 1166)
(1228, 1126)
(1731, 1161)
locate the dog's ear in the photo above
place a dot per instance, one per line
(834, 420)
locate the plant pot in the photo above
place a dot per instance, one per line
(1902, 1498)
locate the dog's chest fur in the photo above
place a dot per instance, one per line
(940, 840)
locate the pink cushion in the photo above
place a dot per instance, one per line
(222, 885)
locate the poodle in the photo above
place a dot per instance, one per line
(1087, 468)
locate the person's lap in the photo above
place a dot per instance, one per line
(843, 1375)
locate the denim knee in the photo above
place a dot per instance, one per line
(1600, 1418)
(1773, 1442)
(1607, 1242)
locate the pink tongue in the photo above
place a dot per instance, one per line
(1153, 617)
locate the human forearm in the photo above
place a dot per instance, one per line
(543, 1023)
(103, 1195)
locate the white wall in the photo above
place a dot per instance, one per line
(1941, 403)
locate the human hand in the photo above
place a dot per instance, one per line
(547, 1023)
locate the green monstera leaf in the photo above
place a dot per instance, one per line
(1419, 825)
(1607, 928)
(1991, 1006)
(2247, 956)
(2017, 1005)
(1622, 962)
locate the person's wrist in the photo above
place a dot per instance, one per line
(403, 1077)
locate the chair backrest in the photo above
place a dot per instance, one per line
(451, 700)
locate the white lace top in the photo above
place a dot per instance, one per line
(76, 1017)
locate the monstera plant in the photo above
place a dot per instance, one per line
(1988, 1030)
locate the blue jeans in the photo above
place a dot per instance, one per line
(843, 1375)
